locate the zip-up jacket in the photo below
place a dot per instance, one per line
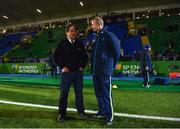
(105, 54)
(71, 55)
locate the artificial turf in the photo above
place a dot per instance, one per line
(154, 102)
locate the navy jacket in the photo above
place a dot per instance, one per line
(145, 60)
(70, 55)
(105, 54)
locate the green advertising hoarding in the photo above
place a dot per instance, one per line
(124, 67)
(23, 68)
(132, 67)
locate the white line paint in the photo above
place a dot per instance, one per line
(91, 111)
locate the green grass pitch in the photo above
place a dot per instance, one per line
(130, 97)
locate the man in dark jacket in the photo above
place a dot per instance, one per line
(71, 57)
(105, 55)
(145, 65)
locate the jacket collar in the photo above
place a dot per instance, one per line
(100, 32)
(71, 41)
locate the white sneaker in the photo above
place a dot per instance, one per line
(148, 85)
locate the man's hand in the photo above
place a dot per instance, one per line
(147, 68)
(64, 69)
(80, 69)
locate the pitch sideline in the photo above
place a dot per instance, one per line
(92, 111)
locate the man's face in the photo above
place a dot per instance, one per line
(95, 26)
(72, 33)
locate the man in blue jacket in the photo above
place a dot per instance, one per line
(105, 55)
(145, 65)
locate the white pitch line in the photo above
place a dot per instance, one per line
(91, 111)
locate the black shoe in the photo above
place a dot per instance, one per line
(61, 119)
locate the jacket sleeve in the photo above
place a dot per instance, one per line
(57, 56)
(84, 56)
(116, 47)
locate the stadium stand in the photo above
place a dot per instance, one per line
(162, 32)
(11, 40)
(41, 45)
(131, 45)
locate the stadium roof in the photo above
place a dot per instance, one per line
(24, 11)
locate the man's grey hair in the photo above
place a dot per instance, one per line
(99, 20)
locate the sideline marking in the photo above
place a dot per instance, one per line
(92, 111)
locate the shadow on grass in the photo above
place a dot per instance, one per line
(71, 116)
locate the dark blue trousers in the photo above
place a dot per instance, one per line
(145, 75)
(103, 92)
(75, 78)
